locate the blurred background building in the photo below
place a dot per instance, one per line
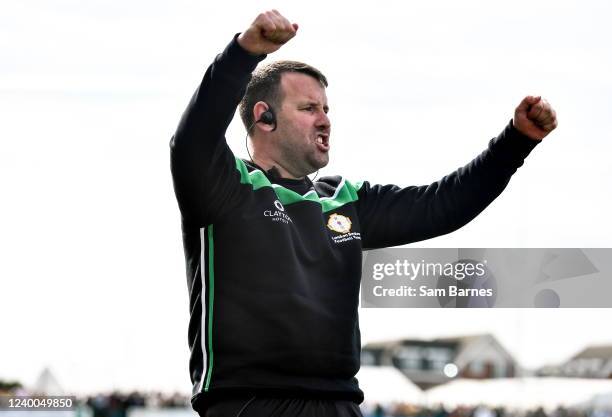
(428, 363)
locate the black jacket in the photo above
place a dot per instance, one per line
(274, 265)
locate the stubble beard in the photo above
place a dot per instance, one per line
(301, 154)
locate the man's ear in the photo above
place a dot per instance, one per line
(264, 116)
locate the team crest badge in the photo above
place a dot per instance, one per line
(339, 223)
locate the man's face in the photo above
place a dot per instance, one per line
(303, 128)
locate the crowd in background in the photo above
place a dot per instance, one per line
(409, 410)
(118, 404)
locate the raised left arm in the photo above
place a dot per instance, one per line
(391, 216)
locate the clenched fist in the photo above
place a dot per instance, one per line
(268, 32)
(535, 118)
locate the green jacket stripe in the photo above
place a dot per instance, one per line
(211, 299)
(346, 192)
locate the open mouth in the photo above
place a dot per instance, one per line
(322, 141)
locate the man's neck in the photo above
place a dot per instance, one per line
(276, 168)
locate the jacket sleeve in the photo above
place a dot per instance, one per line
(203, 167)
(391, 216)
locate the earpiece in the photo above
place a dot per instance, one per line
(268, 118)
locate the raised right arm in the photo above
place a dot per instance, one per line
(203, 167)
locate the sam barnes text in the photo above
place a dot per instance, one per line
(425, 291)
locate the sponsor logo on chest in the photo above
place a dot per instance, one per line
(278, 213)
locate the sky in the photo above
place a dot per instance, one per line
(92, 278)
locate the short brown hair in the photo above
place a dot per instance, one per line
(265, 86)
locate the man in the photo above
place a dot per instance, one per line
(274, 260)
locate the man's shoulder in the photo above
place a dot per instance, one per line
(331, 185)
